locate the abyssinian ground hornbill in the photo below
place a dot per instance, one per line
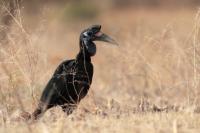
(72, 79)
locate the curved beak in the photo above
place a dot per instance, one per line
(105, 38)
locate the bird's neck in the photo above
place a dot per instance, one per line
(83, 55)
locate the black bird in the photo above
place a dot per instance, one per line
(72, 79)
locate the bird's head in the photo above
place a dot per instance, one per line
(91, 34)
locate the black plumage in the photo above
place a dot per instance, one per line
(72, 79)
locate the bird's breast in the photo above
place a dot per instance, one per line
(76, 76)
(80, 73)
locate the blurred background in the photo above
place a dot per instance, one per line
(157, 60)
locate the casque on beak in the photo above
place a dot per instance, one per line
(105, 38)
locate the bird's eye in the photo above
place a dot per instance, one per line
(86, 34)
(89, 33)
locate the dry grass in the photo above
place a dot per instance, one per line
(150, 83)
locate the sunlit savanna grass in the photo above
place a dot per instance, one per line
(156, 66)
